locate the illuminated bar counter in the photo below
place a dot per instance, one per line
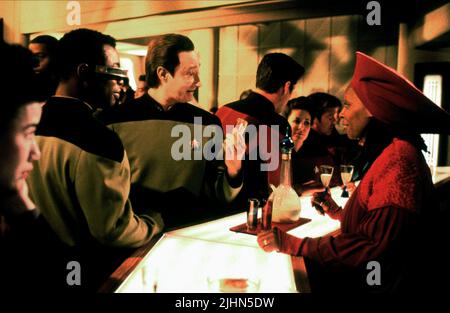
(209, 257)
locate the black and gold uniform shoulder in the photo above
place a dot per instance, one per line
(146, 108)
(71, 120)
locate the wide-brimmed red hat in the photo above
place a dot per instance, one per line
(394, 100)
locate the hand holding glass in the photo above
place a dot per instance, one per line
(326, 172)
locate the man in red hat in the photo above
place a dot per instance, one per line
(386, 218)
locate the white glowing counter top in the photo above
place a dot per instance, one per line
(178, 264)
(218, 230)
(194, 259)
(440, 175)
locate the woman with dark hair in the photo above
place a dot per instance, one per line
(300, 116)
(388, 221)
(20, 233)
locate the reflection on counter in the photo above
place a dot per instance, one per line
(182, 265)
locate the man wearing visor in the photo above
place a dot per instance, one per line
(82, 183)
(389, 223)
(116, 76)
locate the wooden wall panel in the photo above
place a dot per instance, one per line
(317, 55)
(344, 36)
(324, 46)
(39, 16)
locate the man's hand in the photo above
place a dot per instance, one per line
(234, 147)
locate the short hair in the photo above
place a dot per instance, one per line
(142, 78)
(322, 101)
(19, 84)
(163, 51)
(51, 44)
(81, 46)
(300, 103)
(245, 94)
(275, 69)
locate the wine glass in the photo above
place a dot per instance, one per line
(346, 175)
(326, 172)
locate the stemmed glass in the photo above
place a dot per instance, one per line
(346, 175)
(326, 172)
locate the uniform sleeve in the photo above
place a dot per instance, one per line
(336, 213)
(102, 187)
(227, 188)
(379, 230)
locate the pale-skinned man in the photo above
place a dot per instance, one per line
(276, 79)
(185, 190)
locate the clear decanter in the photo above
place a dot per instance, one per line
(286, 202)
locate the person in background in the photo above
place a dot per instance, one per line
(213, 110)
(319, 147)
(141, 88)
(276, 77)
(326, 107)
(81, 183)
(185, 188)
(391, 218)
(126, 92)
(245, 94)
(44, 49)
(300, 116)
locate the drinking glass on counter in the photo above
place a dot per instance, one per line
(252, 214)
(266, 218)
(326, 172)
(346, 175)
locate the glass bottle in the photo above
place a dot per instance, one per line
(286, 203)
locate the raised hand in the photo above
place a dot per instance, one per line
(234, 147)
